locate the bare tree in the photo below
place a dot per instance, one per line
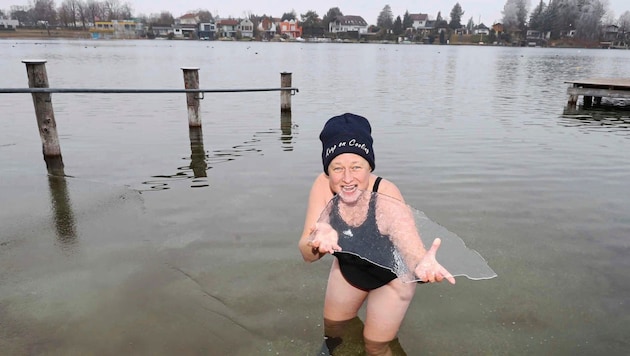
(94, 11)
(624, 23)
(515, 14)
(44, 12)
(589, 23)
(68, 12)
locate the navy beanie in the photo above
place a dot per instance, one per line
(347, 133)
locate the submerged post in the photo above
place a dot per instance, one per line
(285, 95)
(191, 81)
(38, 78)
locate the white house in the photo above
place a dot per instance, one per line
(246, 27)
(348, 24)
(419, 21)
(8, 24)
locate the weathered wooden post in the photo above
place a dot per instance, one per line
(38, 78)
(573, 98)
(285, 95)
(191, 81)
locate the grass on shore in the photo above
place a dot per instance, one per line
(44, 34)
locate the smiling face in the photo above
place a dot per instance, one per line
(348, 175)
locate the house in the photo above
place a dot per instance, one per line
(160, 30)
(348, 24)
(187, 19)
(290, 29)
(207, 30)
(186, 26)
(267, 27)
(419, 21)
(497, 28)
(116, 29)
(610, 32)
(6, 24)
(535, 38)
(246, 27)
(227, 28)
(481, 29)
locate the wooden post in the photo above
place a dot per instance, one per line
(588, 101)
(37, 78)
(191, 81)
(573, 98)
(285, 95)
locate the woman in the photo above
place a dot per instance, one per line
(348, 162)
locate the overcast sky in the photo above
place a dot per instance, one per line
(486, 11)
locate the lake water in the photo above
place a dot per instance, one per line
(160, 244)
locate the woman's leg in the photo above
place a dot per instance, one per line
(386, 308)
(343, 300)
(341, 306)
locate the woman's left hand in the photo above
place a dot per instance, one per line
(429, 270)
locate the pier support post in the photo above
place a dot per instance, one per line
(588, 101)
(38, 78)
(285, 95)
(191, 81)
(572, 103)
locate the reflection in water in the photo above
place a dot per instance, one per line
(62, 211)
(345, 338)
(285, 127)
(197, 157)
(604, 118)
(200, 162)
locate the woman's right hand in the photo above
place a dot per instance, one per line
(324, 238)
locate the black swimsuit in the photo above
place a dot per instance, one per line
(358, 271)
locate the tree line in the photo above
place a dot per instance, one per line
(584, 18)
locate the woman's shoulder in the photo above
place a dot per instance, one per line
(388, 187)
(321, 187)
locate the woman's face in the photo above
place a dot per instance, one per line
(348, 175)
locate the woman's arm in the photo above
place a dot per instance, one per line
(318, 198)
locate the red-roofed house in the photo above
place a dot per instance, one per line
(290, 28)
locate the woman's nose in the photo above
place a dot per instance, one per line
(347, 175)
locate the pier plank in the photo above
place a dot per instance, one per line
(598, 88)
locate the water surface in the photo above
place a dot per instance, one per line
(141, 252)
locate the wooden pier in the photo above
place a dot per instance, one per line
(598, 88)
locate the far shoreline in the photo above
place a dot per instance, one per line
(58, 34)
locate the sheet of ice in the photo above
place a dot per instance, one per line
(389, 233)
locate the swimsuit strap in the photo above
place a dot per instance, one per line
(376, 183)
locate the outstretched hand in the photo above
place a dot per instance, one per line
(324, 238)
(429, 270)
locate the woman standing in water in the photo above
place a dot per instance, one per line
(348, 162)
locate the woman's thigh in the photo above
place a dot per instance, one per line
(386, 309)
(343, 300)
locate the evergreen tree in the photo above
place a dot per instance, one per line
(456, 17)
(407, 22)
(288, 16)
(397, 27)
(385, 19)
(312, 24)
(536, 19)
(330, 16)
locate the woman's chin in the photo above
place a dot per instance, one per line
(350, 196)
